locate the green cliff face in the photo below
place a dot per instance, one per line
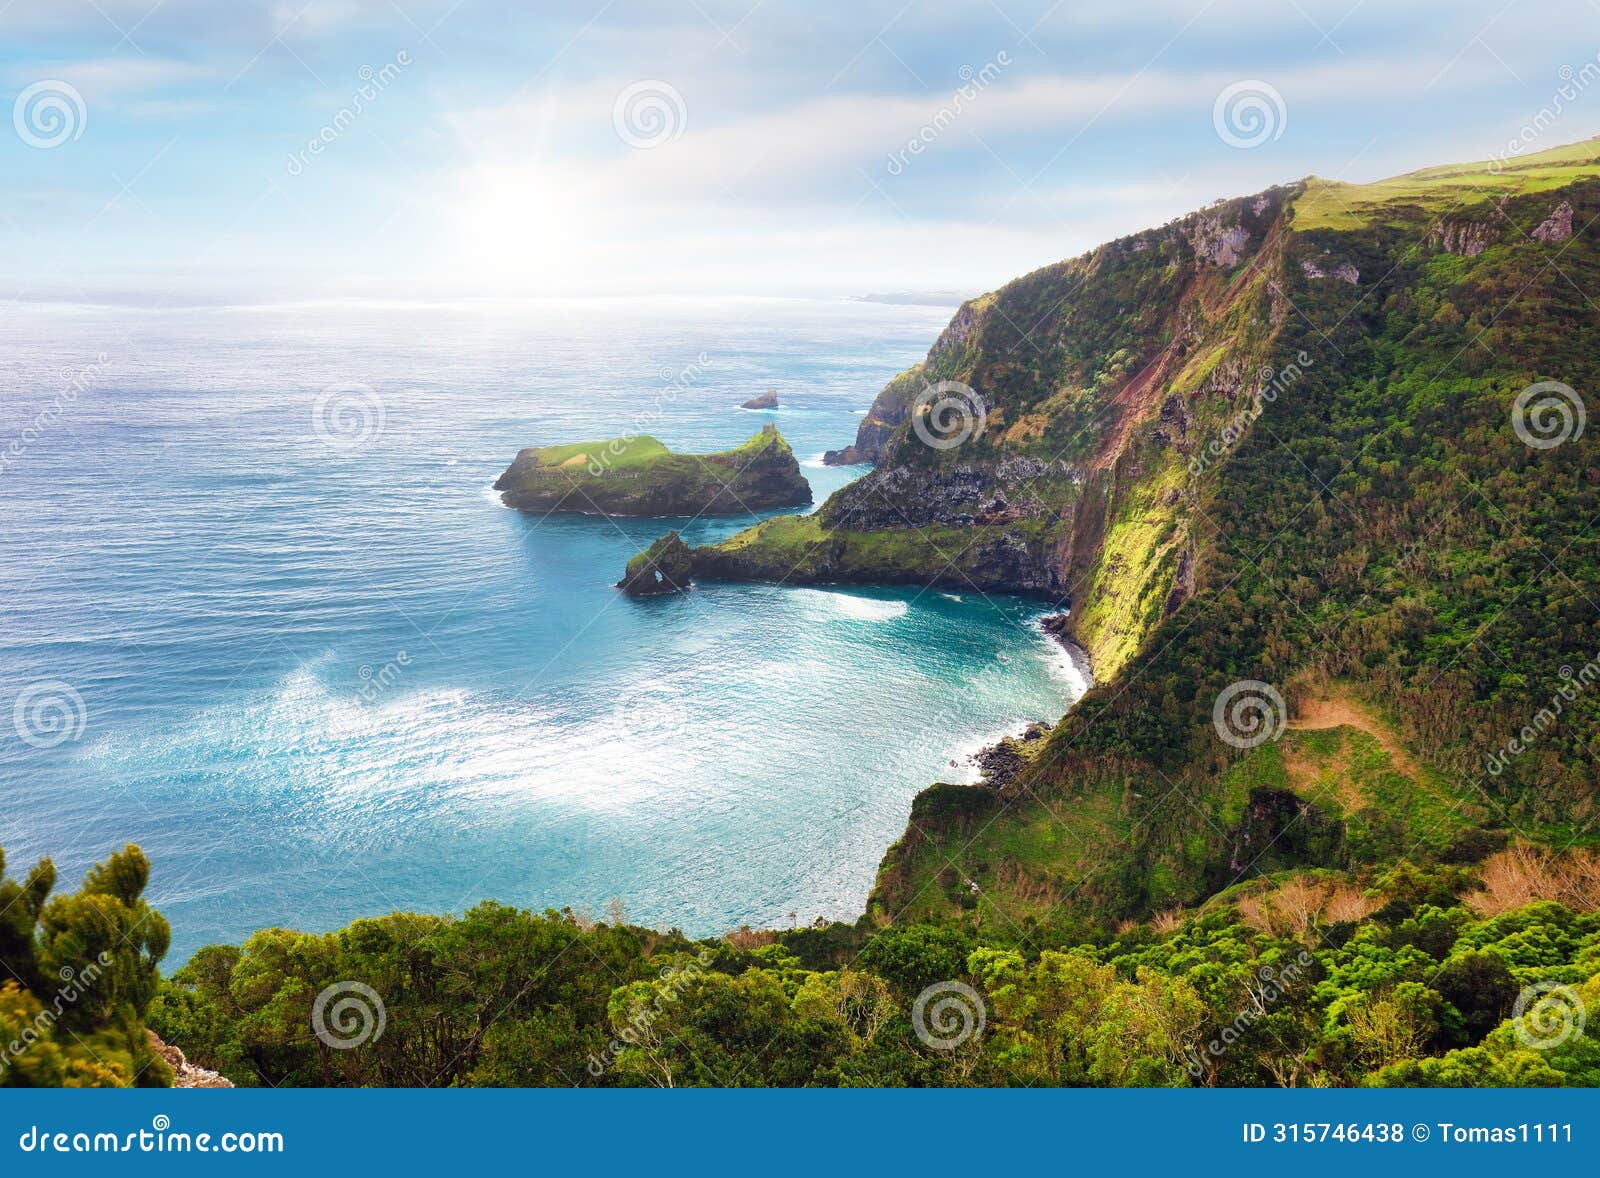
(1041, 447)
(639, 476)
(1286, 439)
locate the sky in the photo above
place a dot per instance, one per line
(174, 150)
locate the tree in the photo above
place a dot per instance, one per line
(82, 973)
(1480, 989)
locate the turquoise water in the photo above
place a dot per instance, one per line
(320, 681)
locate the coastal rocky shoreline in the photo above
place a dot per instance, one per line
(1059, 627)
(1000, 764)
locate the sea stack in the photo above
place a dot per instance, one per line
(664, 567)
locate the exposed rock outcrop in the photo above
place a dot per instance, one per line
(889, 409)
(1343, 271)
(184, 1073)
(893, 405)
(909, 496)
(1000, 764)
(1557, 227)
(1467, 238)
(1173, 427)
(955, 335)
(855, 454)
(1217, 242)
(1182, 582)
(766, 400)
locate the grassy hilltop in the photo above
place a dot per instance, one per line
(638, 475)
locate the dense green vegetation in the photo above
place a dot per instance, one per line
(1304, 979)
(1299, 980)
(77, 973)
(1383, 528)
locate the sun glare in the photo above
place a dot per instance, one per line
(519, 230)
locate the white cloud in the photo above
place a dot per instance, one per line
(781, 178)
(110, 79)
(793, 151)
(550, 198)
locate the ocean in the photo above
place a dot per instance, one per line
(261, 614)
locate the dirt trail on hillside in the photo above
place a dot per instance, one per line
(1343, 712)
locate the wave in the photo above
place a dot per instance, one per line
(1063, 664)
(861, 609)
(963, 765)
(346, 751)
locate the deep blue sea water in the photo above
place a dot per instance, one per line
(319, 681)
